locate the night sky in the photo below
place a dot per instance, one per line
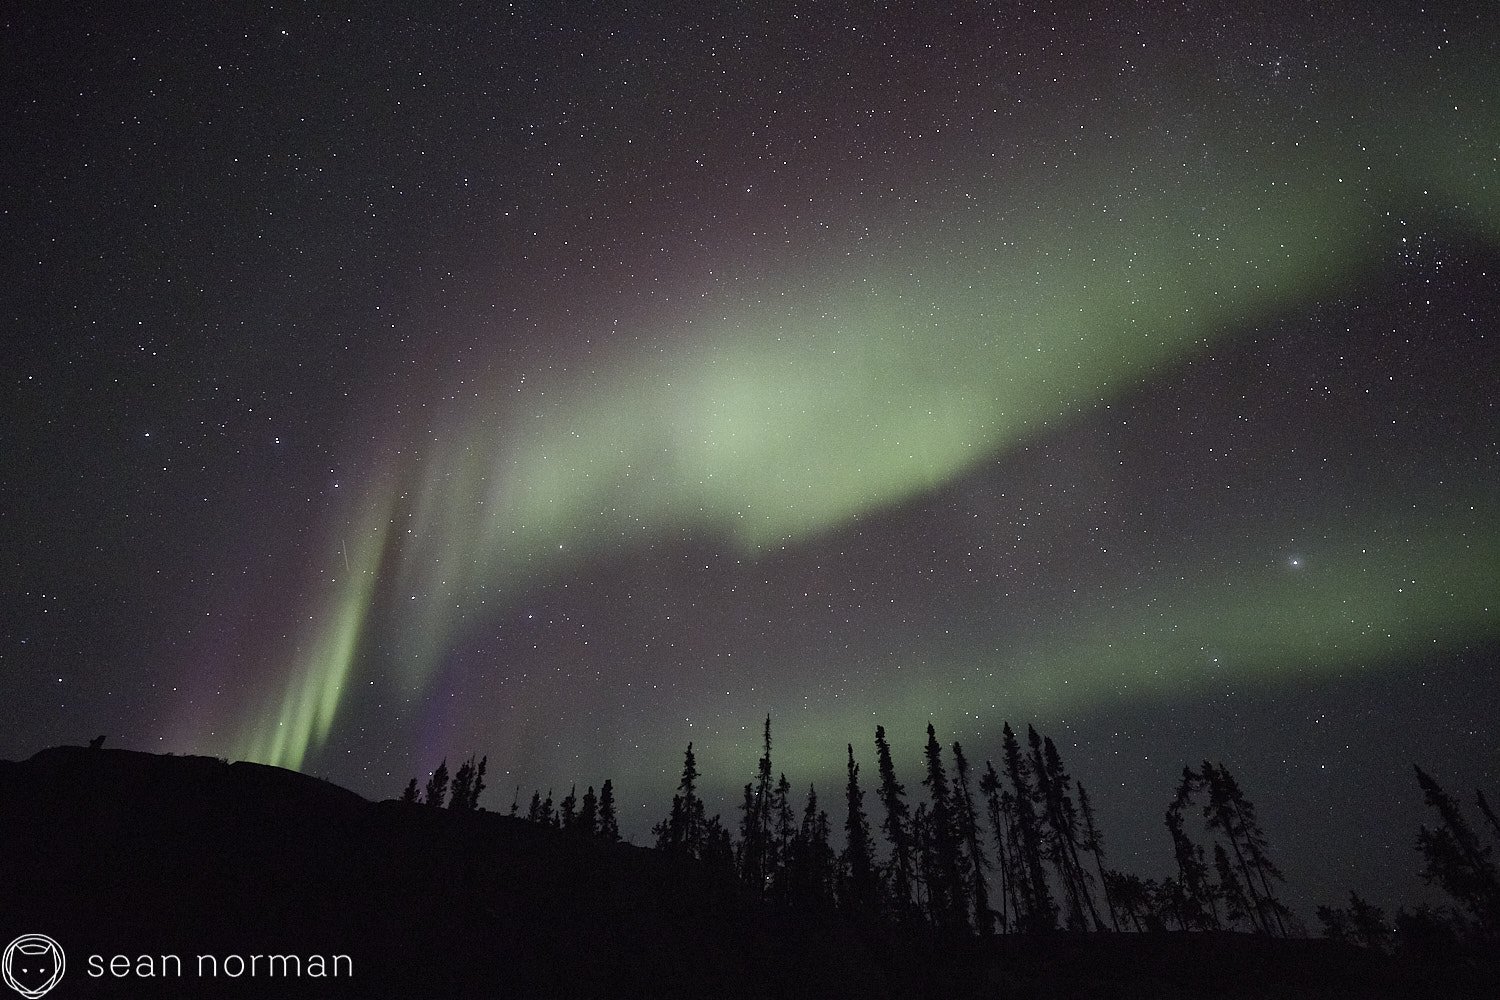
(568, 384)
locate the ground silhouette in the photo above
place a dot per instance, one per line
(114, 852)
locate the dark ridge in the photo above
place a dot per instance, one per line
(113, 852)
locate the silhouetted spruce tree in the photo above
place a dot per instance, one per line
(1195, 908)
(437, 786)
(1362, 924)
(1093, 843)
(588, 814)
(756, 865)
(922, 847)
(463, 784)
(860, 892)
(786, 817)
(966, 823)
(1197, 905)
(515, 802)
(824, 859)
(1170, 903)
(1040, 912)
(809, 858)
(747, 851)
(1229, 812)
(1237, 905)
(999, 825)
(1132, 897)
(549, 817)
(1062, 784)
(535, 814)
(897, 828)
(668, 830)
(1456, 861)
(478, 786)
(949, 903)
(410, 795)
(1368, 924)
(682, 830)
(567, 814)
(1052, 848)
(609, 826)
(1060, 822)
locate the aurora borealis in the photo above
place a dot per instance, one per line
(568, 389)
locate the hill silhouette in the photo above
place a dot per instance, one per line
(115, 852)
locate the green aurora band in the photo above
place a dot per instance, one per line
(806, 400)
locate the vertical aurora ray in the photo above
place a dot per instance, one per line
(325, 657)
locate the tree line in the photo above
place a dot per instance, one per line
(1009, 849)
(592, 816)
(1013, 849)
(1458, 861)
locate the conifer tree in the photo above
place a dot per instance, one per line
(691, 836)
(1367, 924)
(1067, 819)
(1237, 905)
(999, 825)
(437, 786)
(967, 827)
(786, 818)
(755, 843)
(463, 784)
(1132, 897)
(1457, 861)
(860, 892)
(748, 850)
(1040, 910)
(1229, 812)
(535, 814)
(682, 830)
(1093, 843)
(669, 831)
(410, 795)
(588, 814)
(549, 817)
(946, 898)
(568, 812)
(1059, 820)
(478, 786)
(609, 826)
(922, 848)
(897, 827)
(808, 870)
(515, 802)
(824, 860)
(1195, 907)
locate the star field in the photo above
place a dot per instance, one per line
(387, 387)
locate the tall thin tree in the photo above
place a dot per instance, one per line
(609, 825)
(999, 825)
(861, 890)
(966, 818)
(947, 896)
(897, 828)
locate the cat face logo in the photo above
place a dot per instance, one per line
(33, 964)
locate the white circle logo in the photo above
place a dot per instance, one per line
(33, 964)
